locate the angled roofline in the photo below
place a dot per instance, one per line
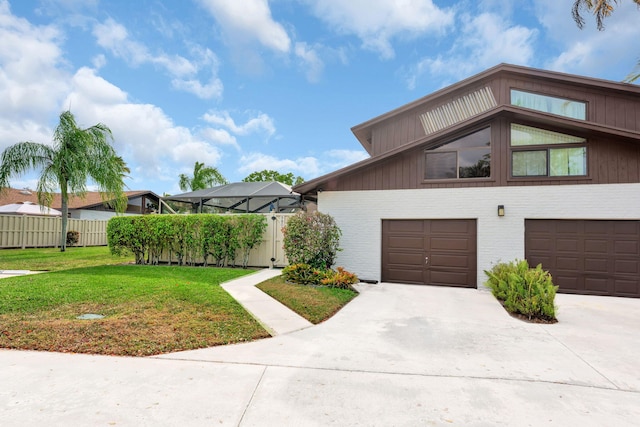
(363, 134)
(576, 126)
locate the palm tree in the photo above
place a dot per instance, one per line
(203, 177)
(601, 9)
(75, 156)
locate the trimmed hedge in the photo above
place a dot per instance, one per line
(187, 237)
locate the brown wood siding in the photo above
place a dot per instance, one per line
(609, 162)
(604, 106)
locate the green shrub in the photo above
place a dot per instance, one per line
(73, 237)
(187, 237)
(303, 274)
(312, 239)
(524, 290)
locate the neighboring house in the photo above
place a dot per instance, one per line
(511, 163)
(91, 206)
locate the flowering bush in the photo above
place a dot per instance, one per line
(304, 274)
(339, 279)
(312, 239)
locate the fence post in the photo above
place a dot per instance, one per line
(23, 239)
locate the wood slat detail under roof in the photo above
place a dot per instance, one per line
(458, 110)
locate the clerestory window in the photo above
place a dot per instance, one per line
(549, 104)
(466, 157)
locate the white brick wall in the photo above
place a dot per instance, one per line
(359, 215)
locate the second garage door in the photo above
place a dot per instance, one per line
(429, 252)
(593, 257)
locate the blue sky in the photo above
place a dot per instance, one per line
(255, 84)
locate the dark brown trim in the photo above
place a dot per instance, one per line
(552, 122)
(363, 131)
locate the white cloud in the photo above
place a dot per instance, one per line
(247, 22)
(146, 137)
(485, 40)
(115, 38)
(342, 158)
(310, 60)
(303, 166)
(32, 70)
(608, 54)
(261, 123)
(220, 136)
(377, 22)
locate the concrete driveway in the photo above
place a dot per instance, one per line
(397, 355)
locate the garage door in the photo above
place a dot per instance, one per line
(587, 257)
(429, 252)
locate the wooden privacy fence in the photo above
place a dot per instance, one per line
(24, 231)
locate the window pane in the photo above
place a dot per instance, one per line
(440, 165)
(481, 138)
(529, 163)
(549, 104)
(526, 135)
(568, 161)
(474, 163)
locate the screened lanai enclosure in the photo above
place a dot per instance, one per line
(243, 197)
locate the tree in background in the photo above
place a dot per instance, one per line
(203, 177)
(269, 175)
(75, 156)
(601, 9)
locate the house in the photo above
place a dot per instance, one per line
(91, 206)
(512, 163)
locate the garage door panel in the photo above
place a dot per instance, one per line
(596, 285)
(566, 282)
(450, 227)
(626, 247)
(626, 228)
(541, 244)
(596, 246)
(626, 266)
(403, 258)
(595, 257)
(567, 263)
(449, 261)
(596, 265)
(567, 227)
(450, 244)
(406, 226)
(566, 244)
(404, 242)
(404, 275)
(449, 278)
(626, 287)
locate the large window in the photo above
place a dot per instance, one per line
(538, 152)
(549, 104)
(466, 157)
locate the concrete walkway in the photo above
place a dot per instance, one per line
(397, 355)
(274, 317)
(13, 273)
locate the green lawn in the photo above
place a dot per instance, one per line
(315, 304)
(51, 259)
(148, 310)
